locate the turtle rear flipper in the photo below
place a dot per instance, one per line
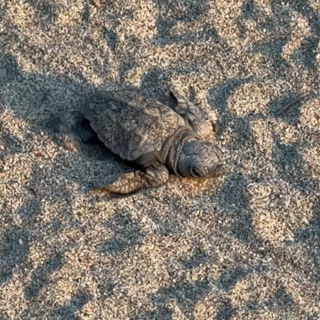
(64, 135)
(73, 132)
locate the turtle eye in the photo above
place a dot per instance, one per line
(195, 172)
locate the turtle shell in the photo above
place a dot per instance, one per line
(132, 125)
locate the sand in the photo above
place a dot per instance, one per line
(244, 246)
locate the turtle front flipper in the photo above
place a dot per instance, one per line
(133, 181)
(201, 122)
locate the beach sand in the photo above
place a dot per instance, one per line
(244, 246)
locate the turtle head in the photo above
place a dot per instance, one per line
(200, 159)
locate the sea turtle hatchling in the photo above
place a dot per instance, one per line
(158, 138)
